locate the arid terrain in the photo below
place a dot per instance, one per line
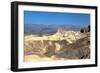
(61, 45)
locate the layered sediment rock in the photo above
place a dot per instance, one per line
(63, 44)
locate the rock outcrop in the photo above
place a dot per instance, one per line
(61, 45)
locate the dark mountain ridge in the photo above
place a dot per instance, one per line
(48, 29)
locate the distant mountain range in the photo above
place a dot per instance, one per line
(46, 29)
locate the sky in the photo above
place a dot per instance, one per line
(51, 18)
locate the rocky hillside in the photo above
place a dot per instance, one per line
(61, 45)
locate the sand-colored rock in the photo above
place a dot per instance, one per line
(61, 45)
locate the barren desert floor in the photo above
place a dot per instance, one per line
(62, 45)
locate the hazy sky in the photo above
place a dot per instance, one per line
(33, 17)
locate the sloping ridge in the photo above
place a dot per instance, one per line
(61, 45)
